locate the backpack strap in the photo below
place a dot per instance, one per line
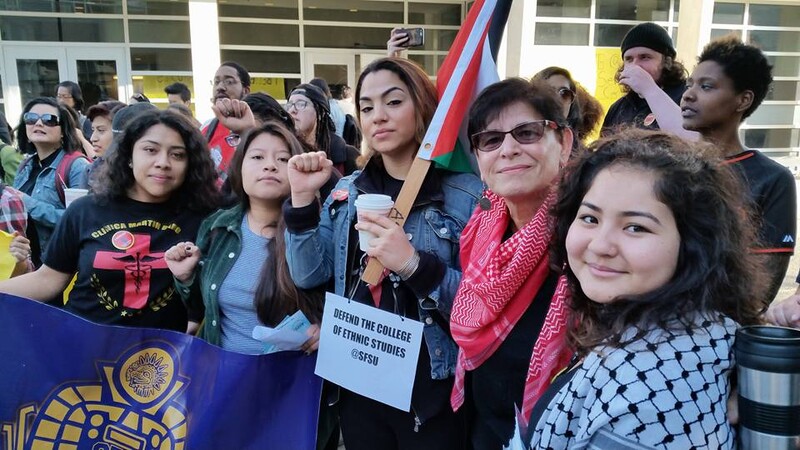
(210, 129)
(62, 172)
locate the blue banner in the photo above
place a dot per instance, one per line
(66, 383)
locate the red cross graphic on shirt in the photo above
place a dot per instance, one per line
(138, 263)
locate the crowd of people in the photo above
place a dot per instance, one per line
(590, 291)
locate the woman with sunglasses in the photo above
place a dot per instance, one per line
(160, 186)
(50, 135)
(311, 112)
(582, 110)
(395, 103)
(508, 314)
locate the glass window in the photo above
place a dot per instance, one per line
(60, 30)
(564, 8)
(237, 33)
(773, 115)
(67, 6)
(719, 32)
(438, 39)
(349, 37)
(264, 61)
(784, 91)
(165, 59)
(37, 78)
(775, 41)
(158, 31)
(431, 63)
(782, 138)
(677, 10)
(434, 13)
(775, 15)
(728, 13)
(654, 10)
(610, 35)
(561, 34)
(274, 9)
(159, 7)
(785, 66)
(98, 80)
(354, 11)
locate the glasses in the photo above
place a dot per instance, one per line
(227, 82)
(50, 120)
(299, 105)
(526, 133)
(566, 94)
(233, 139)
(63, 96)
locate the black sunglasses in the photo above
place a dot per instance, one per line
(526, 133)
(50, 120)
(566, 94)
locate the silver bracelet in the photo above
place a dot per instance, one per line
(409, 267)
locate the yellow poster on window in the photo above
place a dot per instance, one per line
(274, 87)
(608, 62)
(154, 84)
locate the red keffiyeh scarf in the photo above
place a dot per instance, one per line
(500, 279)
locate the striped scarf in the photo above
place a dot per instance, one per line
(500, 279)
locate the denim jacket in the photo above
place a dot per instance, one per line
(317, 255)
(44, 206)
(220, 242)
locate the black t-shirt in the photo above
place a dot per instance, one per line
(118, 248)
(772, 191)
(633, 111)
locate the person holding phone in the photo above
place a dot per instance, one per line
(403, 38)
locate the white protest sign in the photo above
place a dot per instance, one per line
(368, 351)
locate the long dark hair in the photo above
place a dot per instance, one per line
(276, 294)
(715, 271)
(198, 191)
(74, 91)
(69, 138)
(420, 88)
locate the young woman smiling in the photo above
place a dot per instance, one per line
(160, 186)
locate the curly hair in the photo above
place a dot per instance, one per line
(69, 137)
(715, 269)
(276, 295)
(420, 88)
(197, 193)
(673, 73)
(744, 64)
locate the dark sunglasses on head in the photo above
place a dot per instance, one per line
(566, 94)
(526, 133)
(50, 120)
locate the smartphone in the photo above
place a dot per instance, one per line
(416, 36)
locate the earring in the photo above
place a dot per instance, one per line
(484, 201)
(130, 164)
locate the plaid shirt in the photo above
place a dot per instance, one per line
(14, 213)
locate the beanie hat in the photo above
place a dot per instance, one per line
(320, 102)
(651, 36)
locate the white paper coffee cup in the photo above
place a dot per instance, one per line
(374, 203)
(72, 194)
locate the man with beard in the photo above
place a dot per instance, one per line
(231, 81)
(654, 82)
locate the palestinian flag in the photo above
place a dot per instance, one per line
(469, 67)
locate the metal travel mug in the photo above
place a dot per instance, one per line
(768, 360)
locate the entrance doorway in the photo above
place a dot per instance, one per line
(34, 71)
